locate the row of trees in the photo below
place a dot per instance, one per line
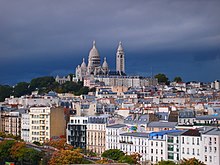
(162, 78)
(13, 151)
(120, 157)
(43, 85)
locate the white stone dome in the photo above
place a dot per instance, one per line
(105, 64)
(83, 65)
(94, 52)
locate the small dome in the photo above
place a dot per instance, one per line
(105, 64)
(83, 65)
(120, 46)
(94, 52)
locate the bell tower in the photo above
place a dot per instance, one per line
(120, 59)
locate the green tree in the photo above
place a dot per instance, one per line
(127, 159)
(191, 161)
(71, 86)
(114, 154)
(47, 82)
(177, 79)
(162, 78)
(82, 91)
(5, 91)
(21, 88)
(5, 147)
(166, 162)
(31, 156)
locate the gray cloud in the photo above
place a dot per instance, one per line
(65, 29)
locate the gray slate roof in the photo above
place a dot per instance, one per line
(208, 117)
(162, 124)
(116, 126)
(136, 134)
(187, 114)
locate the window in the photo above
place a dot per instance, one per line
(156, 143)
(193, 151)
(197, 141)
(152, 151)
(193, 141)
(152, 143)
(187, 150)
(170, 139)
(205, 158)
(183, 150)
(197, 151)
(182, 140)
(215, 149)
(215, 140)
(161, 151)
(161, 144)
(210, 149)
(170, 155)
(205, 149)
(210, 158)
(156, 151)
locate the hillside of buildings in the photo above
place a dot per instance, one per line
(169, 122)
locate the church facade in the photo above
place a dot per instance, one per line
(94, 67)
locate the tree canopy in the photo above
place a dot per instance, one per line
(177, 79)
(42, 85)
(11, 150)
(191, 161)
(66, 157)
(162, 78)
(114, 154)
(5, 91)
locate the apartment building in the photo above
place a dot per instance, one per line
(76, 131)
(135, 142)
(112, 135)
(210, 146)
(96, 133)
(25, 127)
(46, 123)
(190, 144)
(11, 121)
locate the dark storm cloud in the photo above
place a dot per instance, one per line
(157, 33)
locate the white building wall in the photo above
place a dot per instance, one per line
(190, 146)
(25, 127)
(40, 124)
(210, 149)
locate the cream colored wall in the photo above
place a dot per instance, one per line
(96, 137)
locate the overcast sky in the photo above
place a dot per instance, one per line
(175, 37)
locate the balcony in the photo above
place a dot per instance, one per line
(128, 142)
(170, 140)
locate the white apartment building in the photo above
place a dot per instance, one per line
(45, 123)
(112, 135)
(33, 100)
(210, 146)
(25, 127)
(135, 143)
(173, 146)
(190, 144)
(157, 146)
